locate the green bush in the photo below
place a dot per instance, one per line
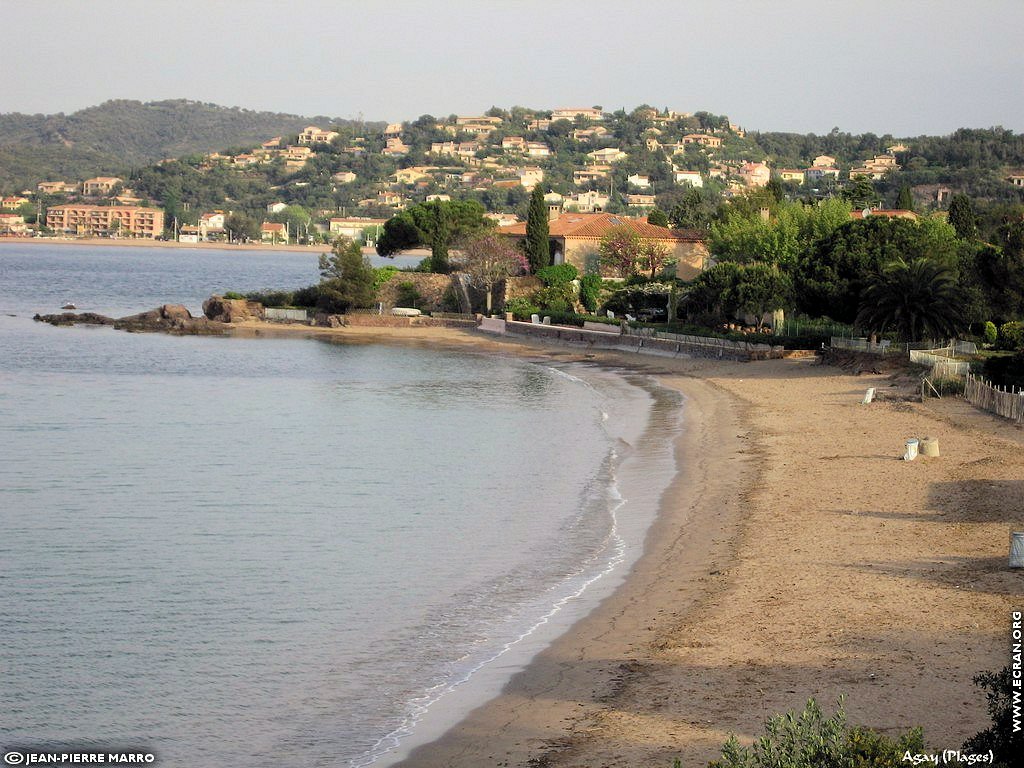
(407, 295)
(990, 333)
(272, 298)
(521, 308)
(306, 297)
(808, 739)
(382, 274)
(233, 295)
(1011, 335)
(1006, 745)
(590, 291)
(557, 275)
(554, 298)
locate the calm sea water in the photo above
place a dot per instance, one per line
(290, 552)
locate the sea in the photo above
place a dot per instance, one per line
(288, 551)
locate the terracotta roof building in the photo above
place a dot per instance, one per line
(576, 238)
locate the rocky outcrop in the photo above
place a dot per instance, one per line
(223, 310)
(169, 318)
(75, 318)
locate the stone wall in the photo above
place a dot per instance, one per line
(430, 286)
(370, 320)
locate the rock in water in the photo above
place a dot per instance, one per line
(232, 310)
(73, 318)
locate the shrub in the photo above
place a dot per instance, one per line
(810, 740)
(407, 295)
(1011, 335)
(382, 274)
(557, 275)
(590, 291)
(554, 298)
(521, 308)
(306, 297)
(1006, 746)
(272, 298)
(233, 295)
(990, 333)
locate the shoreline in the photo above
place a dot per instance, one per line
(147, 243)
(794, 556)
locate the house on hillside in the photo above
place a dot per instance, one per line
(693, 178)
(313, 135)
(530, 176)
(571, 113)
(607, 155)
(755, 174)
(577, 239)
(581, 176)
(702, 139)
(56, 188)
(100, 185)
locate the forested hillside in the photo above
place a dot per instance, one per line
(118, 135)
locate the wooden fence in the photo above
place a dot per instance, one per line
(1003, 401)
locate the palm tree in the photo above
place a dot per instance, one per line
(918, 300)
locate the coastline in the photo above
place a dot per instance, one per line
(794, 556)
(147, 243)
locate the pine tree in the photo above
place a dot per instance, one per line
(538, 249)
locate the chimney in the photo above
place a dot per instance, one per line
(554, 211)
(765, 214)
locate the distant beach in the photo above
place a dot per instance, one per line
(146, 243)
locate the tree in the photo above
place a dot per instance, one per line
(861, 193)
(963, 218)
(620, 250)
(760, 289)
(241, 228)
(436, 224)
(919, 300)
(346, 278)
(658, 218)
(689, 208)
(490, 258)
(905, 199)
(830, 276)
(537, 245)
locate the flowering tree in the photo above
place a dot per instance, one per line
(490, 258)
(626, 252)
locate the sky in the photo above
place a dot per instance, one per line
(902, 67)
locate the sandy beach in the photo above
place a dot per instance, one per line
(795, 556)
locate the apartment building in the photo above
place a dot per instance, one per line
(106, 220)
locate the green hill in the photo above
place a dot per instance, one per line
(118, 135)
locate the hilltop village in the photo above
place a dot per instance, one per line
(349, 179)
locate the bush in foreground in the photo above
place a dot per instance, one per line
(809, 739)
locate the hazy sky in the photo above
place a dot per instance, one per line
(904, 67)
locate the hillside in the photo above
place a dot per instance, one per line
(118, 135)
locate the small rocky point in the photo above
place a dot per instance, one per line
(170, 318)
